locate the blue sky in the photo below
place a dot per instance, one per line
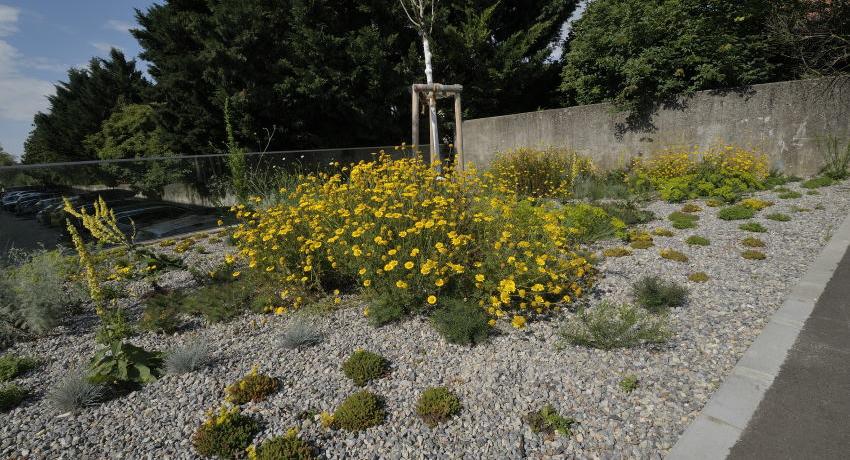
(40, 40)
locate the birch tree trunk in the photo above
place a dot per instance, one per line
(432, 100)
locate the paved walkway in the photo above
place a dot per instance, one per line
(806, 412)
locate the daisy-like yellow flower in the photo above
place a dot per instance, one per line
(408, 265)
(401, 284)
(479, 277)
(518, 322)
(432, 300)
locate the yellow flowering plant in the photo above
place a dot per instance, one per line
(408, 235)
(539, 173)
(719, 172)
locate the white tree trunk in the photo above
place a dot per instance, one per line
(432, 99)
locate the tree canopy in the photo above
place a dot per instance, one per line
(639, 53)
(80, 106)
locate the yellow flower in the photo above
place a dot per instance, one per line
(279, 310)
(432, 300)
(236, 274)
(408, 265)
(479, 277)
(390, 265)
(492, 322)
(440, 282)
(518, 322)
(401, 284)
(367, 283)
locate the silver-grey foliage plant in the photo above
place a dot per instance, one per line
(301, 334)
(187, 358)
(74, 393)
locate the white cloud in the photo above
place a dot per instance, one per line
(118, 25)
(8, 20)
(104, 47)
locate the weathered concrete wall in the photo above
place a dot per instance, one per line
(783, 120)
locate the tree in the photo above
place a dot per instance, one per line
(814, 35)
(132, 131)
(80, 106)
(330, 74)
(6, 158)
(420, 13)
(641, 53)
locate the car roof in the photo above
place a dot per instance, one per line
(166, 227)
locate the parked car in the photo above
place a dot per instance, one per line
(11, 200)
(179, 226)
(145, 215)
(29, 205)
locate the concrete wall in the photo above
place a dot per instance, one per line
(783, 120)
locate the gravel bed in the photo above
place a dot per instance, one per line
(518, 371)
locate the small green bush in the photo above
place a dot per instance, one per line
(593, 222)
(657, 295)
(690, 208)
(683, 220)
(253, 387)
(608, 326)
(219, 302)
(288, 447)
(695, 240)
(753, 227)
(12, 366)
(813, 192)
(671, 254)
(593, 187)
(364, 366)
(225, 435)
(641, 244)
(779, 217)
(547, 421)
(628, 212)
(713, 203)
(629, 383)
(789, 195)
(436, 405)
(460, 322)
(817, 182)
(736, 212)
(616, 252)
(752, 242)
(662, 232)
(162, 313)
(752, 254)
(359, 411)
(698, 277)
(385, 310)
(11, 396)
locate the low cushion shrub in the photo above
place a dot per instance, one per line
(461, 323)
(436, 405)
(690, 207)
(11, 395)
(789, 195)
(12, 366)
(817, 182)
(657, 295)
(629, 383)
(755, 203)
(753, 227)
(662, 232)
(696, 240)
(225, 434)
(698, 277)
(628, 212)
(672, 254)
(752, 242)
(736, 212)
(359, 411)
(253, 387)
(752, 254)
(287, 447)
(616, 252)
(779, 217)
(364, 366)
(547, 421)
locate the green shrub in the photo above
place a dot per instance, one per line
(254, 387)
(616, 252)
(219, 302)
(800, 209)
(359, 411)
(691, 208)
(37, 293)
(384, 310)
(288, 447)
(592, 222)
(779, 217)
(436, 405)
(698, 277)
(695, 240)
(594, 187)
(642, 244)
(683, 220)
(752, 254)
(547, 421)
(124, 365)
(713, 203)
(12, 366)
(162, 313)
(775, 179)
(628, 212)
(657, 295)
(461, 323)
(736, 212)
(752, 242)
(671, 254)
(753, 227)
(755, 204)
(609, 326)
(817, 182)
(11, 396)
(813, 192)
(538, 173)
(662, 232)
(225, 434)
(629, 383)
(790, 195)
(364, 366)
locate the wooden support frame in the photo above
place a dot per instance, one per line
(434, 91)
